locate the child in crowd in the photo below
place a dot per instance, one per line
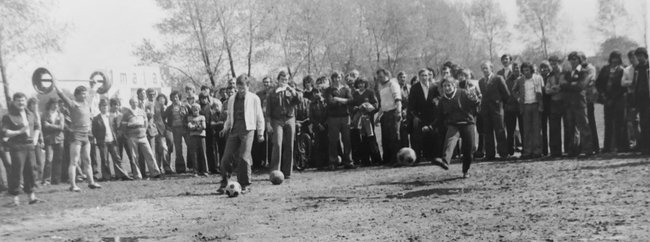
(196, 146)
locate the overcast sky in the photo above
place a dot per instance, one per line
(104, 33)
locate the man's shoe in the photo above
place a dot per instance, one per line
(75, 189)
(441, 163)
(127, 178)
(246, 189)
(94, 186)
(465, 175)
(221, 190)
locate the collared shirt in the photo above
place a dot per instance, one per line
(425, 88)
(390, 94)
(532, 87)
(107, 126)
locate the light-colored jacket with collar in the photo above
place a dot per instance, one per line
(253, 114)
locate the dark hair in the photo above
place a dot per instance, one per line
(163, 96)
(383, 70)
(103, 102)
(554, 58)
(615, 55)
(175, 93)
(448, 79)
(432, 71)
(307, 80)
(115, 101)
(401, 73)
(80, 89)
(641, 51)
(577, 55)
(242, 80)
(204, 87)
(527, 65)
(151, 90)
(140, 90)
(335, 74)
(361, 81)
(506, 55)
(32, 101)
(19, 95)
(51, 102)
(630, 54)
(266, 78)
(413, 80)
(282, 74)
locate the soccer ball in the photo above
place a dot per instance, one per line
(406, 156)
(276, 177)
(233, 189)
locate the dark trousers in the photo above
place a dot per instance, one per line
(467, 134)
(106, 149)
(390, 124)
(366, 148)
(427, 145)
(532, 129)
(23, 160)
(284, 135)
(493, 127)
(261, 151)
(616, 138)
(644, 121)
(53, 161)
(546, 116)
(338, 130)
(65, 163)
(179, 134)
(511, 118)
(556, 121)
(238, 149)
(320, 151)
(578, 126)
(212, 150)
(196, 151)
(592, 127)
(480, 148)
(5, 170)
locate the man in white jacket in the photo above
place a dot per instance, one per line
(245, 116)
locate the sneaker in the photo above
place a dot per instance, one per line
(75, 189)
(94, 186)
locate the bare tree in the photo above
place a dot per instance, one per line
(539, 18)
(26, 28)
(611, 15)
(489, 23)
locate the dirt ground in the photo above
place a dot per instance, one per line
(604, 199)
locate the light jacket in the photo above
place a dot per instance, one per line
(253, 114)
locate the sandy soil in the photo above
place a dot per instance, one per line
(604, 199)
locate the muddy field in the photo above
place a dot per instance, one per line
(603, 199)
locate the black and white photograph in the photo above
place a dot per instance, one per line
(324, 120)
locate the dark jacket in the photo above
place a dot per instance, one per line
(99, 129)
(335, 109)
(608, 84)
(281, 105)
(459, 109)
(52, 131)
(494, 90)
(424, 109)
(14, 123)
(512, 104)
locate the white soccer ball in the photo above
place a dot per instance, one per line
(406, 156)
(233, 189)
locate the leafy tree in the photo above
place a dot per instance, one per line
(489, 22)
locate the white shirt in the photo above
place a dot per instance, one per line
(425, 88)
(532, 86)
(107, 125)
(23, 115)
(628, 76)
(389, 93)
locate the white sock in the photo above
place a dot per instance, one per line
(32, 196)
